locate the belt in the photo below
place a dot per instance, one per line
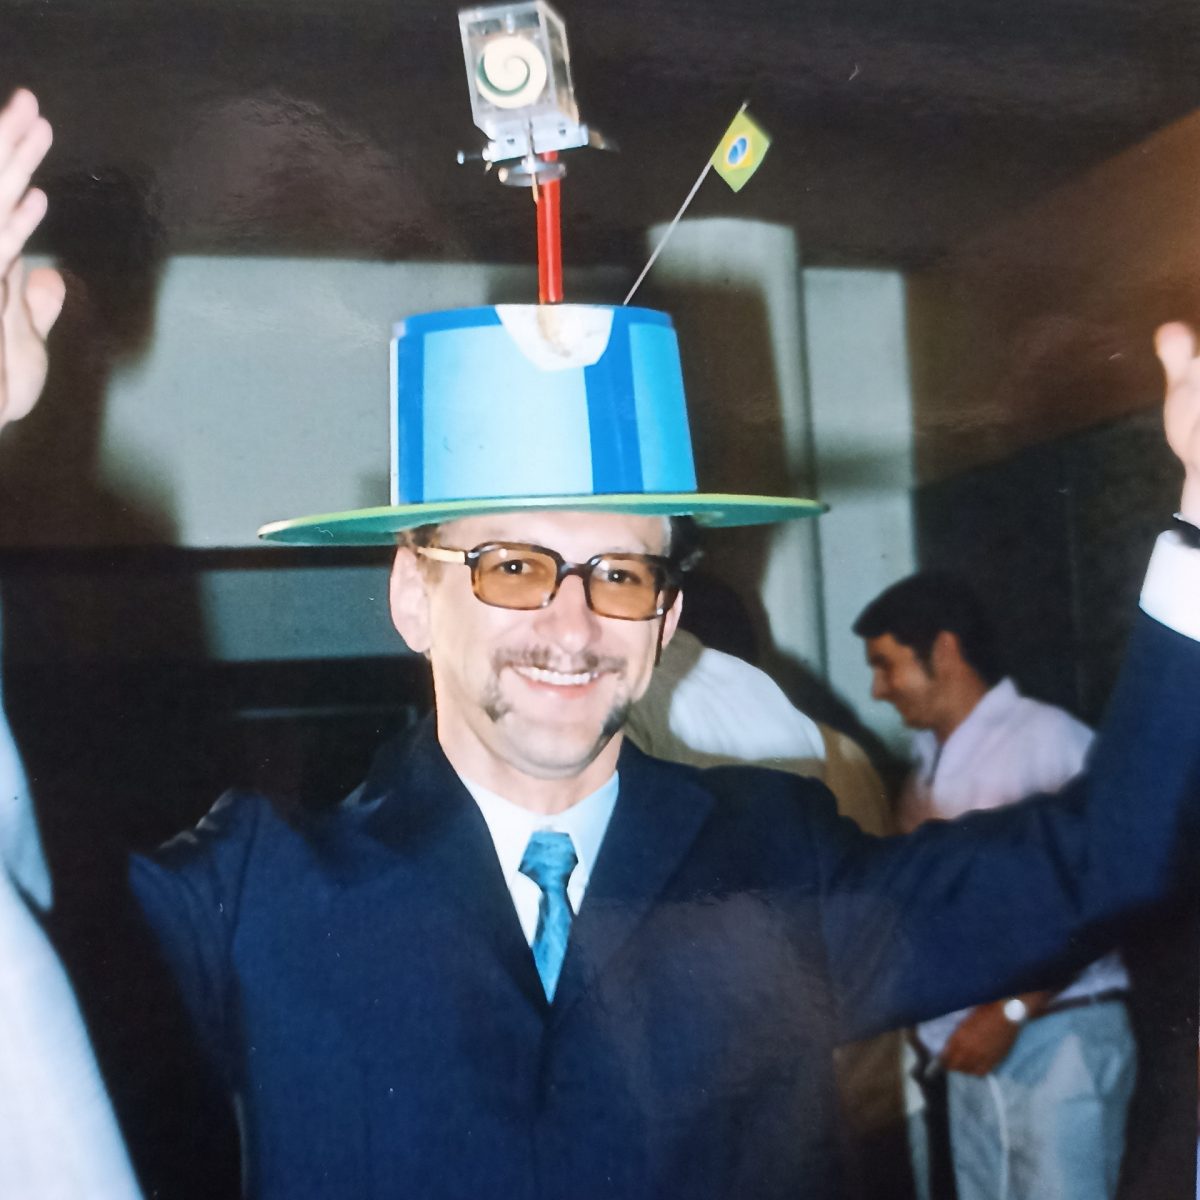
(1111, 996)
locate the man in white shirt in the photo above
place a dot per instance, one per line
(1038, 1085)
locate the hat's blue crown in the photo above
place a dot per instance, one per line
(565, 406)
(525, 401)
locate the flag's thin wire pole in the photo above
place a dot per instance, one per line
(678, 217)
(670, 230)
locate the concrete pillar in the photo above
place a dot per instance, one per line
(861, 414)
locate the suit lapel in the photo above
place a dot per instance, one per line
(659, 812)
(417, 816)
(413, 813)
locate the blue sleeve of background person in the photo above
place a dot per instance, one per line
(1004, 901)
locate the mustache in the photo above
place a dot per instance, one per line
(542, 658)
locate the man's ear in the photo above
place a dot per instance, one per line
(670, 620)
(408, 597)
(946, 653)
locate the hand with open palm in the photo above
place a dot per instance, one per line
(31, 300)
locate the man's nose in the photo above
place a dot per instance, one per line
(567, 618)
(879, 689)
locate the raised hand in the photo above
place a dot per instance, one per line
(29, 301)
(1177, 351)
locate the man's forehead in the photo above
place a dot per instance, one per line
(885, 648)
(572, 533)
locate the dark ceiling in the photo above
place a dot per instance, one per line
(298, 126)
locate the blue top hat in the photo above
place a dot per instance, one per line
(524, 406)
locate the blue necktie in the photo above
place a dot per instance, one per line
(549, 860)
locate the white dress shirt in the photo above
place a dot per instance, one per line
(705, 708)
(1007, 748)
(511, 827)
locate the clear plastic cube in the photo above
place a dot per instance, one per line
(519, 76)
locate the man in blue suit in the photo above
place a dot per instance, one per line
(523, 959)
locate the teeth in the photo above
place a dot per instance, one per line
(558, 678)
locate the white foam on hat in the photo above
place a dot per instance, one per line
(558, 337)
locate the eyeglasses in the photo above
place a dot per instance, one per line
(630, 587)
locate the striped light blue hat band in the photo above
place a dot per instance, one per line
(529, 400)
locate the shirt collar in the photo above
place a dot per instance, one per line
(993, 703)
(511, 826)
(991, 706)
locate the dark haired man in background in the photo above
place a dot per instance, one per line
(1037, 1086)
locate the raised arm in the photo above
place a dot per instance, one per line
(1009, 900)
(29, 305)
(58, 1137)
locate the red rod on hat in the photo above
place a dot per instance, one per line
(549, 227)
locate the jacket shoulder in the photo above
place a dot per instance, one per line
(741, 795)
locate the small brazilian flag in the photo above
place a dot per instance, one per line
(741, 151)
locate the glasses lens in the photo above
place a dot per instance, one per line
(626, 587)
(514, 576)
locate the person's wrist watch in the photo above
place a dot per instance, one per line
(1016, 1010)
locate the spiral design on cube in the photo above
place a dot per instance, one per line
(511, 72)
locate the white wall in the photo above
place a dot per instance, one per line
(265, 394)
(260, 392)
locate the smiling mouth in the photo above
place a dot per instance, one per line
(557, 678)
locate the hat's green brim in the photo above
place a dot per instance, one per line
(379, 526)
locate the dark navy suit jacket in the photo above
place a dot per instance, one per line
(362, 981)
